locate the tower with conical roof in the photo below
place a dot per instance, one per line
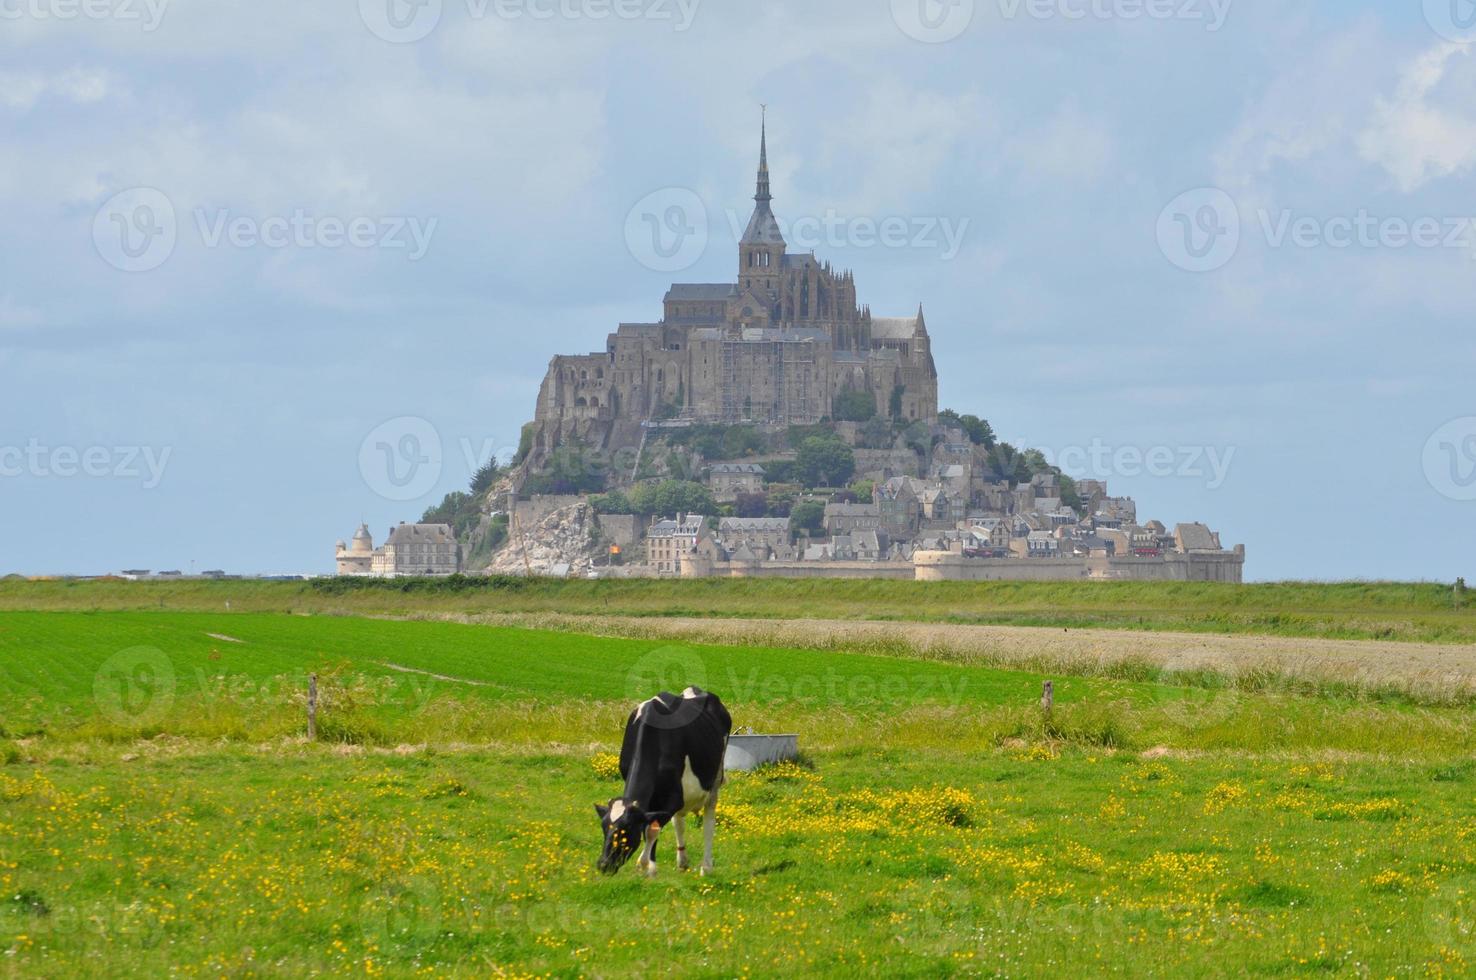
(761, 250)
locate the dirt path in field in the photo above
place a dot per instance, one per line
(439, 677)
(1430, 669)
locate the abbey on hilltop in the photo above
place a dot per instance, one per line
(779, 345)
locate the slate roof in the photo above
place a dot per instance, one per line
(689, 525)
(404, 534)
(1196, 537)
(763, 228)
(852, 510)
(701, 290)
(893, 327)
(757, 524)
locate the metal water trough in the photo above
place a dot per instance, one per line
(751, 751)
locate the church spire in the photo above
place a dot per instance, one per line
(761, 249)
(763, 196)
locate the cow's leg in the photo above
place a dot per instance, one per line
(709, 820)
(647, 860)
(679, 825)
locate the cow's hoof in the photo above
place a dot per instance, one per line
(705, 870)
(651, 870)
(684, 865)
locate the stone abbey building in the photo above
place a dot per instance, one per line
(777, 346)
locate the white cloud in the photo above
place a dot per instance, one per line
(1304, 116)
(1069, 146)
(892, 143)
(21, 90)
(1421, 134)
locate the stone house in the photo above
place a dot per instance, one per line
(728, 480)
(845, 518)
(756, 537)
(990, 534)
(417, 549)
(899, 501)
(410, 549)
(939, 506)
(1036, 544)
(668, 540)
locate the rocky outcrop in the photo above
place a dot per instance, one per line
(564, 541)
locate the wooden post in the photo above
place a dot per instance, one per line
(1048, 697)
(313, 707)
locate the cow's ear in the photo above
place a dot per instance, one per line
(603, 811)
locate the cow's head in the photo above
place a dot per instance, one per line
(626, 827)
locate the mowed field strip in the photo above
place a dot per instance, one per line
(1430, 668)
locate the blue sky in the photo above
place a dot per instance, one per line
(204, 396)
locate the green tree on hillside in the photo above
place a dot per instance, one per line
(458, 509)
(751, 505)
(852, 405)
(483, 479)
(671, 497)
(614, 502)
(571, 469)
(980, 432)
(808, 516)
(877, 434)
(825, 462)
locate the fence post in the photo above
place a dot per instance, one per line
(313, 707)
(1048, 697)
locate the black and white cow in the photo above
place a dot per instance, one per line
(672, 764)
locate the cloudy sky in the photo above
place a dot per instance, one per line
(1218, 253)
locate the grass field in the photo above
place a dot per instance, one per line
(1356, 610)
(161, 812)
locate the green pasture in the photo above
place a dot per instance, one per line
(161, 812)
